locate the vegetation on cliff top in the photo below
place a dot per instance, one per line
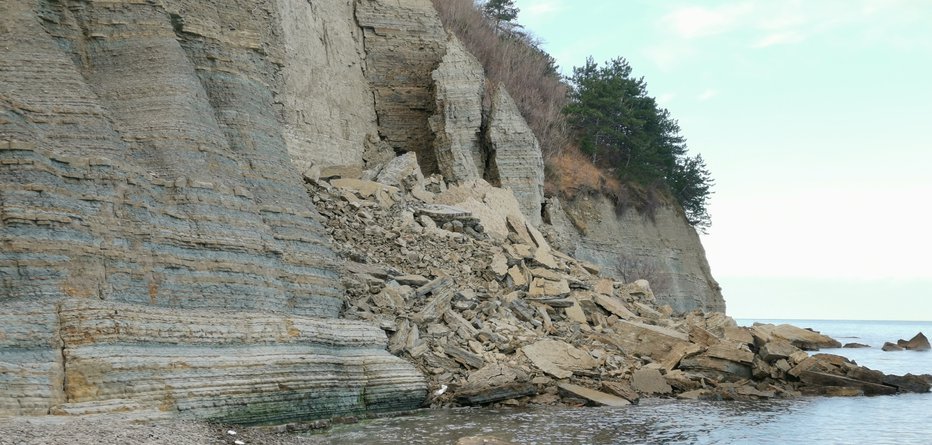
(598, 129)
(623, 129)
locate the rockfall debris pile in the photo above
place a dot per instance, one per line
(475, 297)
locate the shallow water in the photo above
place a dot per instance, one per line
(877, 420)
(901, 419)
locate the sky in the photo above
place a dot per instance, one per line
(814, 117)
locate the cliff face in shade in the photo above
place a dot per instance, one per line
(404, 43)
(664, 249)
(147, 193)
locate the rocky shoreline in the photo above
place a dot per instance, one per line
(476, 298)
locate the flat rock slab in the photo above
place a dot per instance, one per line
(493, 375)
(776, 350)
(412, 280)
(640, 338)
(823, 379)
(558, 358)
(593, 396)
(731, 352)
(541, 287)
(801, 338)
(575, 312)
(615, 306)
(443, 213)
(497, 394)
(705, 364)
(464, 357)
(623, 390)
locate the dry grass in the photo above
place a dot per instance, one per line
(515, 62)
(527, 73)
(571, 172)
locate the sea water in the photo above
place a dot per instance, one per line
(901, 419)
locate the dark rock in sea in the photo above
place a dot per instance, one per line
(918, 343)
(908, 382)
(855, 345)
(821, 379)
(891, 347)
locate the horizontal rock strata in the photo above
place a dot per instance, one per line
(404, 42)
(143, 167)
(662, 248)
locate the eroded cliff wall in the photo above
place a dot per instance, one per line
(325, 98)
(663, 249)
(148, 201)
(159, 248)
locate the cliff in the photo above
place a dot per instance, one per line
(663, 249)
(160, 249)
(159, 246)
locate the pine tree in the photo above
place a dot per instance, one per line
(622, 128)
(502, 11)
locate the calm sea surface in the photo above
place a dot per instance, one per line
(902, 419)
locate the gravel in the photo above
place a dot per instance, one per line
(116, 429)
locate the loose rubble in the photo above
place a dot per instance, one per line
(476, 298)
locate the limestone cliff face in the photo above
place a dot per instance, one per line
(404, 43)
(158, 244)
(664, 249)
(459, 82)
(516, 160)
(429, 97)
(325, 98)
(158, 248)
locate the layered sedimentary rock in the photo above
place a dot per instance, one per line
(516, 160)
(326, 101)
(144, 172)
(459, 84)
(404, 42)
(664, 249)
(159, 250)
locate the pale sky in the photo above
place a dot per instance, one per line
(814, 118)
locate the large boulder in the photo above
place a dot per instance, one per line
(889, 346)
(804, 339)
(918, 343)
(558, 358)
